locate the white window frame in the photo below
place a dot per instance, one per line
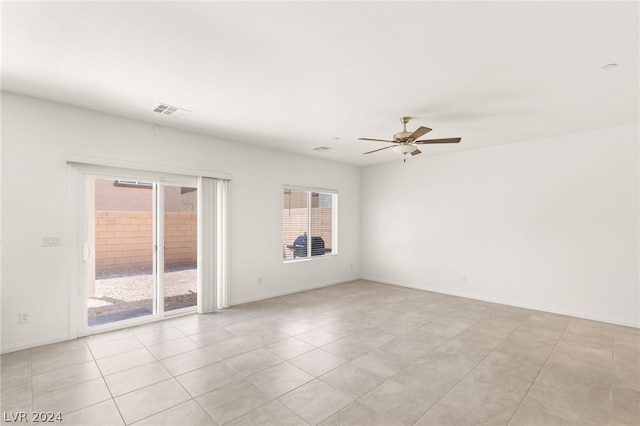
(334, 222)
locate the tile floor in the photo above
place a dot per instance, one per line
(351, 354)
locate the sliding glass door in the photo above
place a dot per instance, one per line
(140, 249)
(180, 247)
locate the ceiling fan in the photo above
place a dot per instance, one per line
(405, 142)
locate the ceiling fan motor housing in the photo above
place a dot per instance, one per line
(401, 136)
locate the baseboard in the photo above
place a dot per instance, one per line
(507, 302)
(292, 291)
(33, 343)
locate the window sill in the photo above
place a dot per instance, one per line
(310, 259)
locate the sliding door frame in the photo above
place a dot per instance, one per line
(78, 289)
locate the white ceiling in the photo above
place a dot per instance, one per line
(297, 75)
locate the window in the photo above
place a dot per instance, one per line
(308, 223)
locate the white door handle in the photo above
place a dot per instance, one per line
(86, 251)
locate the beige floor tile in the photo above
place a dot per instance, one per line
(317, 362)
(289, 348)
(597, 363)
(113, 364)
(441, 327)
(626, 370)
(377, 336)
(461, 320)
(17, 411)
(406, 349)
(320, 319)
(151, 400)
(521, 345)
(352, 379)
(209, 378)
(232, 347)
(47, 362)
(423, 378)
(48, 382)
(484, 397)
(272, 413)
(232, 401)
(279, 379)
(548, 320)
(419, 317)
(573, 396)
(212, 336)
(18, 360)
(111, 336)
(267, 336)
(72, 398)
(626, 402)
(173, 347)
(189, 361)
(136, 378)
(293, 328)
(160, 335)
(115, 347)
(102, 414)
(626, 340)
(470, 343)
(252, 362)
(60, 347)
(318, 337)
(246, 327)
(347, 348)
(379, 362)
(315, 401)
(537, 333)
(396, 401)
(496, 327)
(186, 414)
(15, 386)
(444, 414)
(455, 365)
(530, 412)
(497, 366)
(409, 356)
(588, 327)
(150, 327)
(196, 328)
(358, 414)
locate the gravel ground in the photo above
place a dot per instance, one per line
(119, 292)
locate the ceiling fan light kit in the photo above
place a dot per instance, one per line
(405, 142)
(404, 149)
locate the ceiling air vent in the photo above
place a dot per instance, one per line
(167, 109)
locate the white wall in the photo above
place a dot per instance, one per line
(36, 138)
(549, 224)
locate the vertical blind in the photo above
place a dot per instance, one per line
(213, 244)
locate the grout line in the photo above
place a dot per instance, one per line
(473, 368)
(540, 371)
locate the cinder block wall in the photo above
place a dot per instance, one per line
(124, 240)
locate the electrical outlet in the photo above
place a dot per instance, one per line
(464, 278)
(23, 317)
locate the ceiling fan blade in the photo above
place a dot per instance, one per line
(376, 140)
(415, 152)
(448, 140)
(420, 131)
(379, 149)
